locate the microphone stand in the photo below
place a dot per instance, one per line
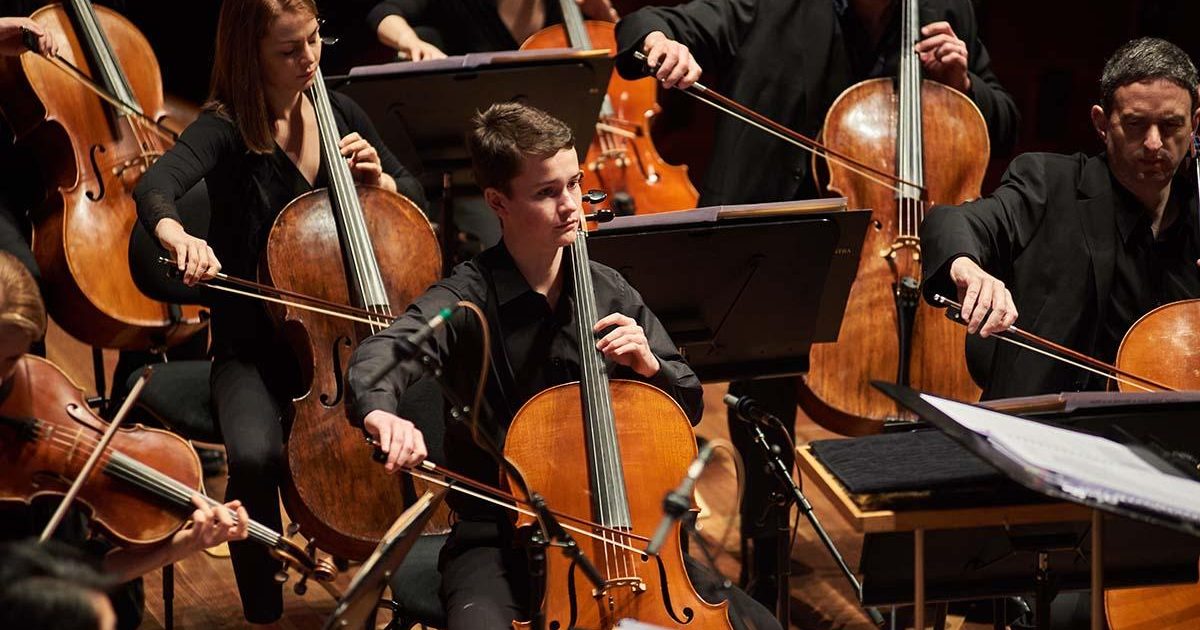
(550, 532)
(792, 492)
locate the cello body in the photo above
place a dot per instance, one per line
(931, 135)
(622, 161)
(1163, 345)
(91, 157)
(342, 500)
(618, 448)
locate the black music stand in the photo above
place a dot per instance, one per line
(743, 290)
(423, 109)
(1164, 553)
(357, 607)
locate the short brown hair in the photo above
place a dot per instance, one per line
(20, 300)
(236, 90)
(505, 134)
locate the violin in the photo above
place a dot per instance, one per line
(141, 491)
(620, 446)
(323, 245)
(621, 159)
(93, 146)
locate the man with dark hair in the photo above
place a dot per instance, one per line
(1080, 247)
(52, 586)
(526, 162)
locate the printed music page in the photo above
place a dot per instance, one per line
(1083, 465)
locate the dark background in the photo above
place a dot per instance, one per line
(1048, 53)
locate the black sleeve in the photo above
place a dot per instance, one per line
(711, 29)
(406, 183)
(994, 102)
(992, 231)
(675, 376)
(410, 10)
(374, 380)
(202, 146)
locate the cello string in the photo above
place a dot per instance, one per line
(338, 172)
(611, 481)
(587, 360)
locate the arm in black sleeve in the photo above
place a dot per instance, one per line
(374, 379)
(992, 231)
(203, 144)
(675, 376)
(410, 10)
(711, 29)
(406, 182)
(994, 102)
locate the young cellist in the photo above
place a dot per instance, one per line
(256, 145)
(526, 163)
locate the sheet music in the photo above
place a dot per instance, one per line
(1084, 465)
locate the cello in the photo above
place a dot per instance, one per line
(322, 245)
(621, 160)
(92, 155)
(1162, 345)
(626, 444)
(887, 332)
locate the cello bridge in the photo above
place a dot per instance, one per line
(634, 584)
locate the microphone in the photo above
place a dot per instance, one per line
(747, 409)
(679, 501)
(409, 347)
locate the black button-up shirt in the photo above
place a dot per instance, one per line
(534, 346)
(1149, 271)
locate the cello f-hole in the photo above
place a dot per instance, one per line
(96, 148)
(340, 345)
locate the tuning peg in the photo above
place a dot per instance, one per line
(603, 215)
(281, 577)
(293, 529)
(301, 586)
(594, 196)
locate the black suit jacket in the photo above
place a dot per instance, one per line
(786, 59)
(1049, 232)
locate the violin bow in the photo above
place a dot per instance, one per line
(94, 459)
(1058, 352)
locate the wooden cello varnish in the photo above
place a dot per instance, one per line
(362, 246)
(91, 157)
(621, 160)
(930, 135)
(618, 447)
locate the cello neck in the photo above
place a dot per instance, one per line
(103, 60)
(910, 162)
(577, 35)
(609, 500)
(366, 281)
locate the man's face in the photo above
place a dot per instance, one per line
(1147, 133)
(542, 208)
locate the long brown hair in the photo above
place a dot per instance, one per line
(20, 300)
(236, 88)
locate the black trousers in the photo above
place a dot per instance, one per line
(251, 425)
(764, 522)
(484, 586)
